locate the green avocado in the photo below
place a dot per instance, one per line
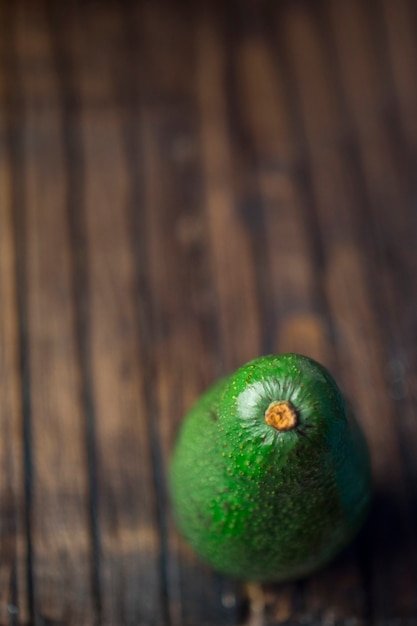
(270, 476)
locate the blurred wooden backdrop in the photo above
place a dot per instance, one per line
(185, 186)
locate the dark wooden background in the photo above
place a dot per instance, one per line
(185, 186)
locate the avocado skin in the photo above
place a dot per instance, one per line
(263, 505)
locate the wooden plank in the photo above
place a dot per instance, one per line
(400, 24)
(227, 195)
(300, 316)
(324, 128)
(13, 598)
(291, 269)
(129, 557)
(288, 268)
(182, 311)
(178, 338)
(401, 55)
(166, 47)
(14, 605)
(389, 185)
(229, 239)
(384, 166)
(349, 288)
(58, 476)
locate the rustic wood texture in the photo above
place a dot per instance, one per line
(183, 187)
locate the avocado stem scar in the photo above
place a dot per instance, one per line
(281, 415)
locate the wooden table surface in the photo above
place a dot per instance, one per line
(183, 187)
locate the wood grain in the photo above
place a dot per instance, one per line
(290, 313)
(13, 514)
(182, 188)
(128, 543)
(348, 284)
(58, 481)
(230, 241)
(385, 185)
(183, 322)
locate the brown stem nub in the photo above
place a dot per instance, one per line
(281, 415)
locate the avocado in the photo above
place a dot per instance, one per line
(270, 475)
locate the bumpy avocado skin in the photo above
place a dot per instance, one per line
(264, 505)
